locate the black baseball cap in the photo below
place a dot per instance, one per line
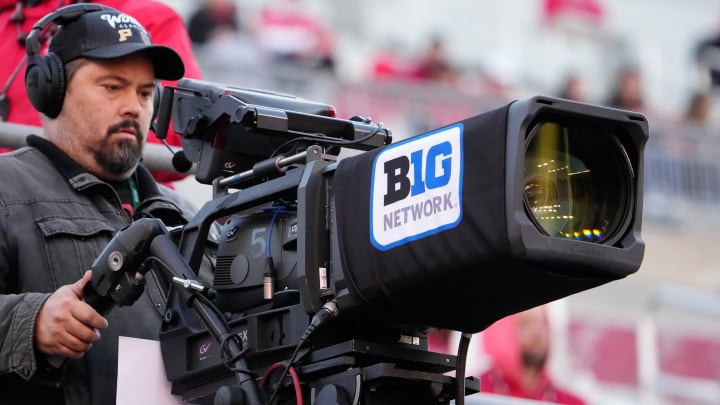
(110, 34)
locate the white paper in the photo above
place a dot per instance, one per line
(141, 374)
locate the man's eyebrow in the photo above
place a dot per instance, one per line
(123, 80)
(112, 77)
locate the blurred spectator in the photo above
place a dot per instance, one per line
(212, 20)
(699, 110)
(699, 122)
(588, 11)
(16, 20)
(519, 348)
(287, 32)
(707, 58)
(390, 63)
(387, 64)
(225, 48)
(433, 64)
(627, 93)
(500, 75)
(573, 88)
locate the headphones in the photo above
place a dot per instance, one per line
(45, 80)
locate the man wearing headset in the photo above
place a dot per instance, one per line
(16, 20)
(63, 198)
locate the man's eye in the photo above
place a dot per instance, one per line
(111, 87)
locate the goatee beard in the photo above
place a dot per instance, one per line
(126, 155)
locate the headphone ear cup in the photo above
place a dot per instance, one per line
(45, 84)
(58, 86)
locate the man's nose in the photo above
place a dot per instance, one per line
(132, 105)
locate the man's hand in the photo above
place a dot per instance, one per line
(66, 325)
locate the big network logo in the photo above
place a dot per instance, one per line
(416, 188)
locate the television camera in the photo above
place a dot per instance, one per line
(335, 270)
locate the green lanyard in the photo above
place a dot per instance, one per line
(134, 192)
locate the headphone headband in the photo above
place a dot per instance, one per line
(61, 16)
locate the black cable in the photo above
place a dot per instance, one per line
(463, 347)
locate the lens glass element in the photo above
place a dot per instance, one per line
(578, 182)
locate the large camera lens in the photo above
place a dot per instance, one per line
(578, 182)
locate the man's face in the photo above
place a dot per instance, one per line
(106, 115)
(533, 336)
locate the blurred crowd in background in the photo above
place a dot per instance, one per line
(266, 43)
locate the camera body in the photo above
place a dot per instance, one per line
(451, 229)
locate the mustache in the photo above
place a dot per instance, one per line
(126, 124)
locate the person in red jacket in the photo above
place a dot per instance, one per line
(17, 18)
(518, 346)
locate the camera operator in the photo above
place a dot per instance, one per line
(17, 18)
(65, 196)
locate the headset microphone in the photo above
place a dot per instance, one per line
(180, 162)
